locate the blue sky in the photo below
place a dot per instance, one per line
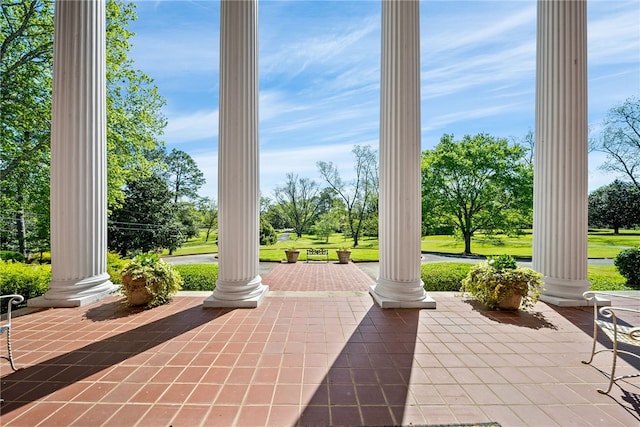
(319, 68)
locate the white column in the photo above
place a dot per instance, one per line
(399, 284)
(78, 158)
(560, 178)
(239, 284)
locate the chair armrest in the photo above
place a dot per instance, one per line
(13, 299)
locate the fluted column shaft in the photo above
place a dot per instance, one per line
(78, 157)
(239, 284)
(399, 283)
(560, 179)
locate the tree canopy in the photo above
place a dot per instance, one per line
(480, 183)
(621, 140)
(615, 206)
(298, 200)
(360, 196)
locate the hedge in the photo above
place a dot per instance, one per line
(444, 276)
(28, 280)
(198, 277)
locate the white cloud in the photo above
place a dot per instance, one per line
(191, 127)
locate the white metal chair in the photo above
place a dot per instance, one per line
(607, 319)
(5, 325)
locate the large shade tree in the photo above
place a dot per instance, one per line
(26, 50)
(146, 220)
(298, 200)
(134, 122)
(360, 195)
(480, 183)
(616, 205)
(620, 140)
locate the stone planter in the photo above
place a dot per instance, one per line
(292, 256)
(344, 256)
(136, 291)
(510, 302)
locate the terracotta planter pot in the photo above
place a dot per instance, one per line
(136, 291)
(343, 256)
(510, 302)
(292, 256)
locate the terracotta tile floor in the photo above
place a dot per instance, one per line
(308, 358)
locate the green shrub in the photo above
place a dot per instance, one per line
(11, 256)
(28, 280)
(444, 276)
(162, 279)
(268, 234)
(115, 265)
(628, 264)
(198, 277)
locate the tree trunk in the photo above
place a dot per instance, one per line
(616, 230)
(467, 244)
(21, 232)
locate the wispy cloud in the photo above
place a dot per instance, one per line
(191, 127)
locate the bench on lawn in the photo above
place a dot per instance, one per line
(620, 324)
(318, 253)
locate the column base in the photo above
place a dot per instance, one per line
(251, 302)
(385, 302)
(566, 302)
(75, 301)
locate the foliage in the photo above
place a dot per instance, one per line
(628, 264)
(28, 280)
(26, 56)
(162, 279)
(115, 265)
(198, 277)
(621, 140)
(133, 107)
(491, 281)
(268, 235)
(615, 205)
(11, 256)
(360, 196)
(444, 276)
(480, 183)
(146, 221)
(298, 201)
(183, 176)
(209, 215)
(326, 225)
(606, 278)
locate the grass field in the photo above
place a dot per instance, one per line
(602, 244)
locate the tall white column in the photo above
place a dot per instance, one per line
(78, 158)
(399, 284)
(560, 176)
(239, 284)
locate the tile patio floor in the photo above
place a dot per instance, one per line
(306, 357)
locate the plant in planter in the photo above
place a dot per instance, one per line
(292, 255)
(344, 254)
(500, 283)
(149, 281)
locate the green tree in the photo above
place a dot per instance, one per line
(359, 195)
(326, 225)
(183, 175)
(298, 201)
(268, 235)
(621, 140)
(134, 119)
(26, 51)
(146, 220)
(209, 213)
(480, 183)
(614, 206)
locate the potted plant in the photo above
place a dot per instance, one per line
(292, 255)
(500, 283)
(344, 254)
(149, 281)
